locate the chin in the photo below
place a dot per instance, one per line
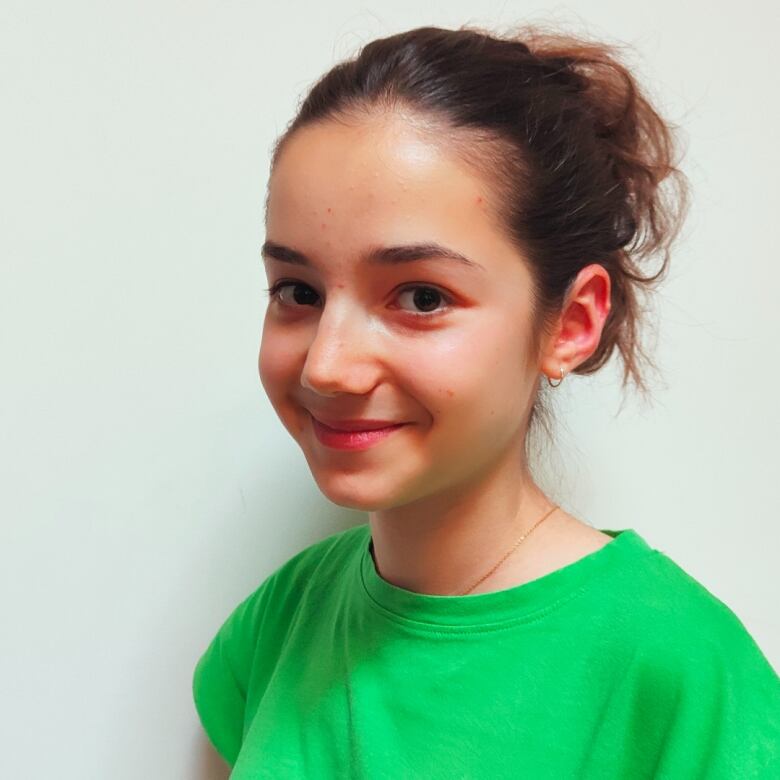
(358, 491)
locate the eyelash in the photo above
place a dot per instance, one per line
(274, 290)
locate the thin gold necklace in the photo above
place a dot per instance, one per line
(514, 547)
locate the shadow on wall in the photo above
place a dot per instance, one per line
(207, 763)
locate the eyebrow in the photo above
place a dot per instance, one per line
(377, 255)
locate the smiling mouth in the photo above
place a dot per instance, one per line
(354, 426)
(352, 440)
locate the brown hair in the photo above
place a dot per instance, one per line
(574, 149)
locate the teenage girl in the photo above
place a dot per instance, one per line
(457, 222)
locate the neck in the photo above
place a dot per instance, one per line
(442, 544)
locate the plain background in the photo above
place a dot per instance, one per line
(147, 484)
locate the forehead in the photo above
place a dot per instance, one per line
(379, 181)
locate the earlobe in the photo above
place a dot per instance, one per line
(563, 374)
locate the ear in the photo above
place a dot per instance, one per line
(580, 323)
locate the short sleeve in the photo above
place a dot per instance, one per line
(221, 677)
(726, 722)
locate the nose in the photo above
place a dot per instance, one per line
(341, 358)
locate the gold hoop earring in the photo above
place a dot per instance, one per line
(559, 381)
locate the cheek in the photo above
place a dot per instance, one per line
(276, 363)
(466, 370)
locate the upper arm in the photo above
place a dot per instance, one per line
(220, 681)
(725, 722)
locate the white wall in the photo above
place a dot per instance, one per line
(147, 485)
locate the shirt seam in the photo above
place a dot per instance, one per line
(437, 629)
(447, 630)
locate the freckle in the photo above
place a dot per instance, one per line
(329, 209)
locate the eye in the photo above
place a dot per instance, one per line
(426, 298)
(275, 291)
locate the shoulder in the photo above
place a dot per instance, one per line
(327, 553)
(670, 595)
(271, 604)
(680, 631)
(694, 671)
(301, 573)
(244, 651)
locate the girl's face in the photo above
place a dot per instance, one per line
(439, 344)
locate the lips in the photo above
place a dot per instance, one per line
(357, 425)
(354, 439)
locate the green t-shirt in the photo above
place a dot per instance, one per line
(619, 665)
